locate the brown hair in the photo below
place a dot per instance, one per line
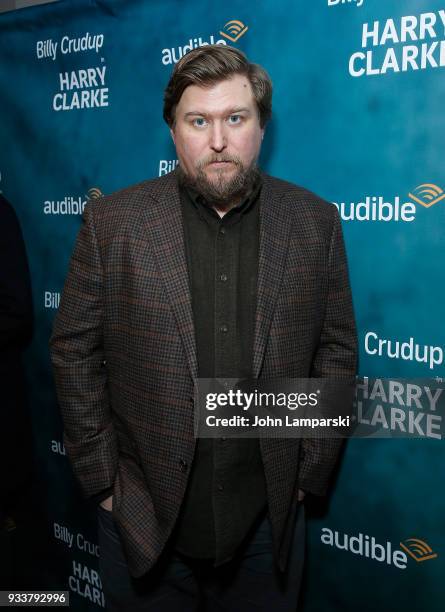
(210, 64)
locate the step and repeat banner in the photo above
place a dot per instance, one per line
(358, 118)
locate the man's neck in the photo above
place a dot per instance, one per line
(223, 210)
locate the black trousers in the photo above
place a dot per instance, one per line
(250, 582)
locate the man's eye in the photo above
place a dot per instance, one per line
(199, 121)
(235, 119)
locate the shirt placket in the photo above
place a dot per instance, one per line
(225, 287)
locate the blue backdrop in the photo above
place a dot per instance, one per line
(357, 118)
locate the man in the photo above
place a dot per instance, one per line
(214, 270)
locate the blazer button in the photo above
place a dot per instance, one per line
(183, 465)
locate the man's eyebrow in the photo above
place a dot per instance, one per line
(229, 111)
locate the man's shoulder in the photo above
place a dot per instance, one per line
(297, 196)
(137, 194)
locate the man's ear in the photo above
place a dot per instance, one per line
(262, 133)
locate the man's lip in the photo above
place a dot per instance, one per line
(220, 162)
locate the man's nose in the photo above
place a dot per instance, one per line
(218, 139)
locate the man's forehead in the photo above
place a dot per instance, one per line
(234, 91)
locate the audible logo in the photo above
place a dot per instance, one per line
(419, 550)
(364, 546)
(427, 194)
(233, 30)
(94, 193)
(173, 55)
(70, 205)
(377, 208)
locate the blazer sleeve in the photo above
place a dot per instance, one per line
(335, 357)
(77, 354)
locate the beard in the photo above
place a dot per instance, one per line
(222, 192)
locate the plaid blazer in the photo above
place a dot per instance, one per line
(124, 355)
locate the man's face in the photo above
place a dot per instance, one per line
(217, 135)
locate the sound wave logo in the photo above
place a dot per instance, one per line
(419, 550)
(94, 193)
(233, 30)
(427, 194)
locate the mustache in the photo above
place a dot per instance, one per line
(218, 158)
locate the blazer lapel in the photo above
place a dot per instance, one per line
(163, 225)
(274, 238)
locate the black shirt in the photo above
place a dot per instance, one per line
(226, 490)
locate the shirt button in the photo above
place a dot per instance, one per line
(222, 230)
(220, 487)
(223, 278)
(224, 329)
